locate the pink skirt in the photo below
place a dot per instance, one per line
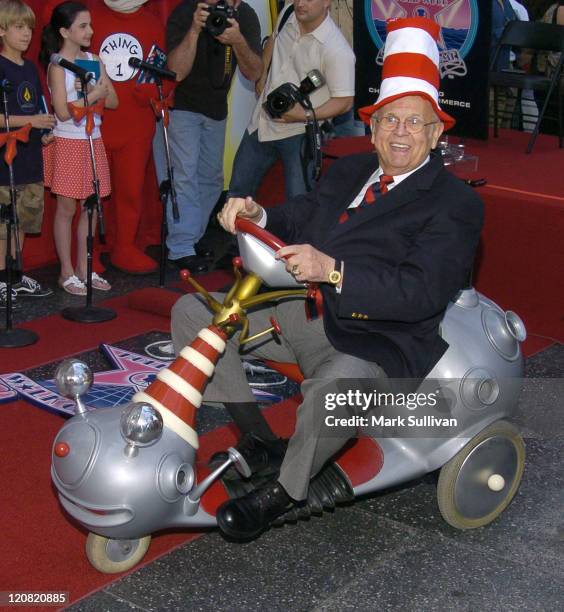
(68, 169)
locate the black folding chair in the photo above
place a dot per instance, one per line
(538, 37)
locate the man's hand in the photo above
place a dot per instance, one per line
(231, 35)
(306, 264)
(295, 115)
(238, 207)
(42, 121)
(200, 16)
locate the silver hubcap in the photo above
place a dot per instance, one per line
(121, 550)
(473, 497)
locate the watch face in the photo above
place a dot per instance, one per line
(335, 277)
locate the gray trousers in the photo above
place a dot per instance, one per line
(303, 342)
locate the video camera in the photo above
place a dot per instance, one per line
(281, 99)
(217, 23)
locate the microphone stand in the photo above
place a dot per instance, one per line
(166, 188)
(10, 337)
(89, 313)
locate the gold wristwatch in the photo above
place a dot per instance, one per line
(335, 276)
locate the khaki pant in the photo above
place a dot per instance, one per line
(29, 205)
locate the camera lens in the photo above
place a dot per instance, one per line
(216, 23)
(279, 104)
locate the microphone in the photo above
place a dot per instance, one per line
(135, 62)
(59, 60)
(6, 85)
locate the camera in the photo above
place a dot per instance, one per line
(281, 99)
(217, 23)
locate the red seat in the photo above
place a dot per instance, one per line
(290, 370)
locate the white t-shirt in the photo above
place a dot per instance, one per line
(325, 49)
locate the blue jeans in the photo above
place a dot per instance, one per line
(196, 151)
(254, 159)
(343, 125)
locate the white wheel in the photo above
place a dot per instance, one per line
(111, 556)
(478, 483)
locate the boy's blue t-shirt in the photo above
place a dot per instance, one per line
(24, 99)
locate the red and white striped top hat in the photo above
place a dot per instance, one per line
(411, 66)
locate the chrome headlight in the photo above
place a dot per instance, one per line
(73, 378)
(141, 424)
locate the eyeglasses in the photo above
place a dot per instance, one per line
(413, 125)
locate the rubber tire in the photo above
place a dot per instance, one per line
(449, 474)
(97, 555)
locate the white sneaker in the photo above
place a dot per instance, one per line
(4, 295)
(29, 287)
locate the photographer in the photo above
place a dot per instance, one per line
(305, 39)
(206, 42)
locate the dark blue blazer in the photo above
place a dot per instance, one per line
(404, 258)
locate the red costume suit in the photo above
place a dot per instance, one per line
(127, 131)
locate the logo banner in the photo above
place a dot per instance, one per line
(464, 44)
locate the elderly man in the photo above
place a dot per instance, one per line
(390, 238)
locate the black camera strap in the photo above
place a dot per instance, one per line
(311, 149)
(288, 11)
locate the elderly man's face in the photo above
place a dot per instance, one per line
(400, 151)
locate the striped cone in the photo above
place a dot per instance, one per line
(411, 66)
(177, 391)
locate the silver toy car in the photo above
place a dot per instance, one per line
(128, 471)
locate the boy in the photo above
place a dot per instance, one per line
(24, 104)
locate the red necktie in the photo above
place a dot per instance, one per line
(373, 192)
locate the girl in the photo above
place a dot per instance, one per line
(68, 169)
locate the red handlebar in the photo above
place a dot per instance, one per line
(248, 227)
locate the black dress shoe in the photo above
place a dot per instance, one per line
(246, 517)
(204, 250)
(264, 456)
(193, 263)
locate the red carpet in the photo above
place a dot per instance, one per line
(60, 338)
(41, 549)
